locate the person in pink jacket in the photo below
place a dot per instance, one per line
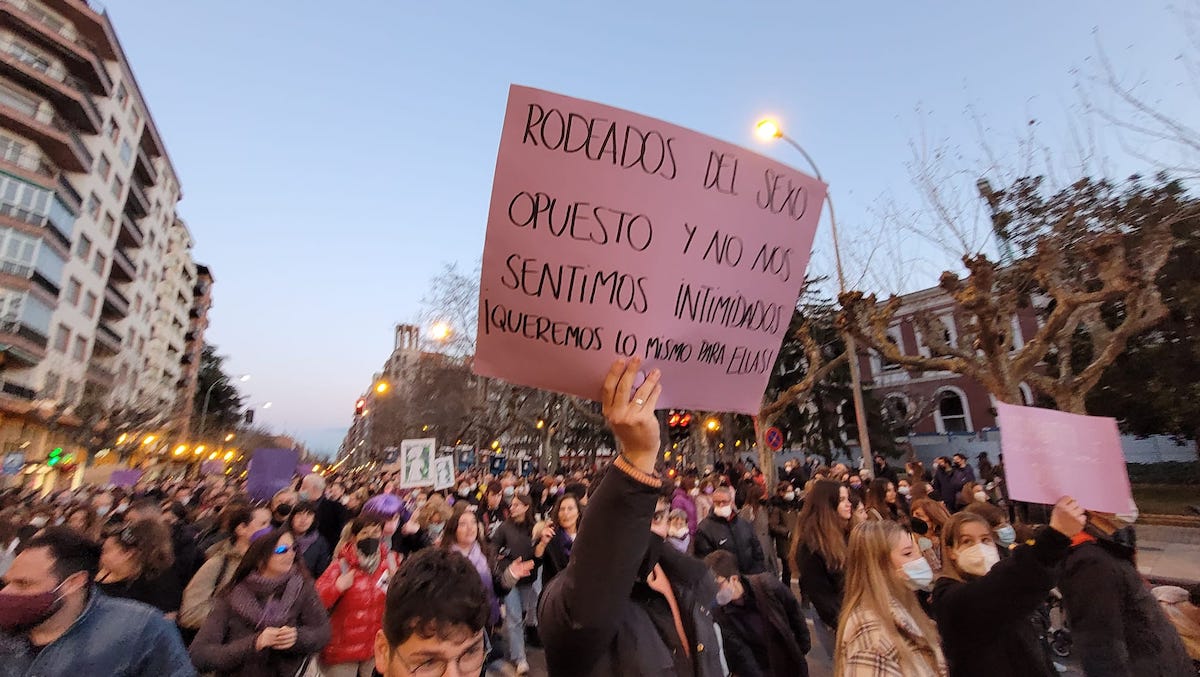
(354, 590)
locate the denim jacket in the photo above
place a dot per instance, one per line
(114, 637)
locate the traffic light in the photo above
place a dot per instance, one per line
(248, 417)
(55, 457)
(678, 425)
(359, 406)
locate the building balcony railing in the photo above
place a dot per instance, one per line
(30, 161)
(52, 133)
(136, 204)
(116, 306)
(36, 23)
(18, 391)
(18, 328)
(59, 221)
(100, 375)
(123, 269)
(69, 96)
(130, 236)
(144, 167)
(107, 340)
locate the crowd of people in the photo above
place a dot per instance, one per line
(621, 571)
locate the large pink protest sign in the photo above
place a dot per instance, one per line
(613, 234)
(1050, 454)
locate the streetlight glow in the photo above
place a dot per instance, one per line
(267, 405)
(768, 129)
(244, 378)
(713, 425)
(381, 387)
(440, 331)
(149, 439)
(229, 456)
(180, 449)
(229, 437)
(122, 438)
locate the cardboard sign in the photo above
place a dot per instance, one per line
(270, 470)
(613, 234)
(443, 473)
(416, 463)
(1050, 454)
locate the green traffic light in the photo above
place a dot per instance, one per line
(55, 456)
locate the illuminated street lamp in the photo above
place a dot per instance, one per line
(713, 425)
(440, 331)
(769, 129)
(229, 437)
(382, 387)
(208, 394)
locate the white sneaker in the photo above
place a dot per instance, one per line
(522, 667)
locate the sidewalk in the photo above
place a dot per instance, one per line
(1169, 553)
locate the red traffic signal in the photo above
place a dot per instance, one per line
(673, 420)
(359, 406)
(685, 420)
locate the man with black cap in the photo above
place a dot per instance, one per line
(628, 604)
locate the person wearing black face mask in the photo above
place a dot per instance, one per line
(54, 622)
(354, 589)
(282, 505)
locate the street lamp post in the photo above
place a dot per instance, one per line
(207, 395)
(769, 129)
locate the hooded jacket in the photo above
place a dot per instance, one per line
(1117, 627)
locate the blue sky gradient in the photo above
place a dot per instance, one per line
(333, 155)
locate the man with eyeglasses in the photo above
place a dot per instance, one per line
(53, 620)
(434, 621)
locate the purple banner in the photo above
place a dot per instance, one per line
(270, 471)
(125, 478)
(212, 467)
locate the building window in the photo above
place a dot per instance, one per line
(126, 152)
(83, 248)
(136, 118)
(50, 385)
(952, 415)
(14, 99)
(71, 393)
(103, 166)
(11, 150)
(114, 131)
(62, 338)
(122, 95)
(80, 348)
(89, 305)
(93, 207)
(73, 290)
(29, 57)
(110, 225)
(99, 263)
(118, 187)
(137, 303)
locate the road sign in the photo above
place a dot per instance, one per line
(774, 438)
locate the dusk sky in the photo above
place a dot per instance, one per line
(334, 155)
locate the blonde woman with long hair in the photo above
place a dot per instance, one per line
(883, 632)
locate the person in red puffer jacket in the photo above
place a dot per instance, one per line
(354, 590)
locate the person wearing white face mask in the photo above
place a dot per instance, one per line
(883, 631)
(982, 605)
(724, 530)
(678, 534)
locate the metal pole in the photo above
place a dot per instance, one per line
(860, 412)
(204, 409)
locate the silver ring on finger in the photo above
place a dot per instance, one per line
(639, 401)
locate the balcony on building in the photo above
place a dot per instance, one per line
(130, 235)
(144, 169)
(108, 342)
(29, 164)
(116, 306)
(68, 95)
(20, 344)
(40, 124)
(123, 269)
(100, 376)
(17, 390)
(35, 205)
(136, 204)
(31, 20)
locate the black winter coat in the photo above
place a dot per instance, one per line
(514, 541)
(1117, 627)
(597, 617)
(787, 638)
(819, 585)
(985, 622)
(734, 535)
(317, 557)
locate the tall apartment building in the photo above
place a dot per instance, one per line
(96, 275)
(193, 347)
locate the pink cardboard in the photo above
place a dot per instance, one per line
(614, 234)
(1050, 454)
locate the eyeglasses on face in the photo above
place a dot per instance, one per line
(469, 662)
